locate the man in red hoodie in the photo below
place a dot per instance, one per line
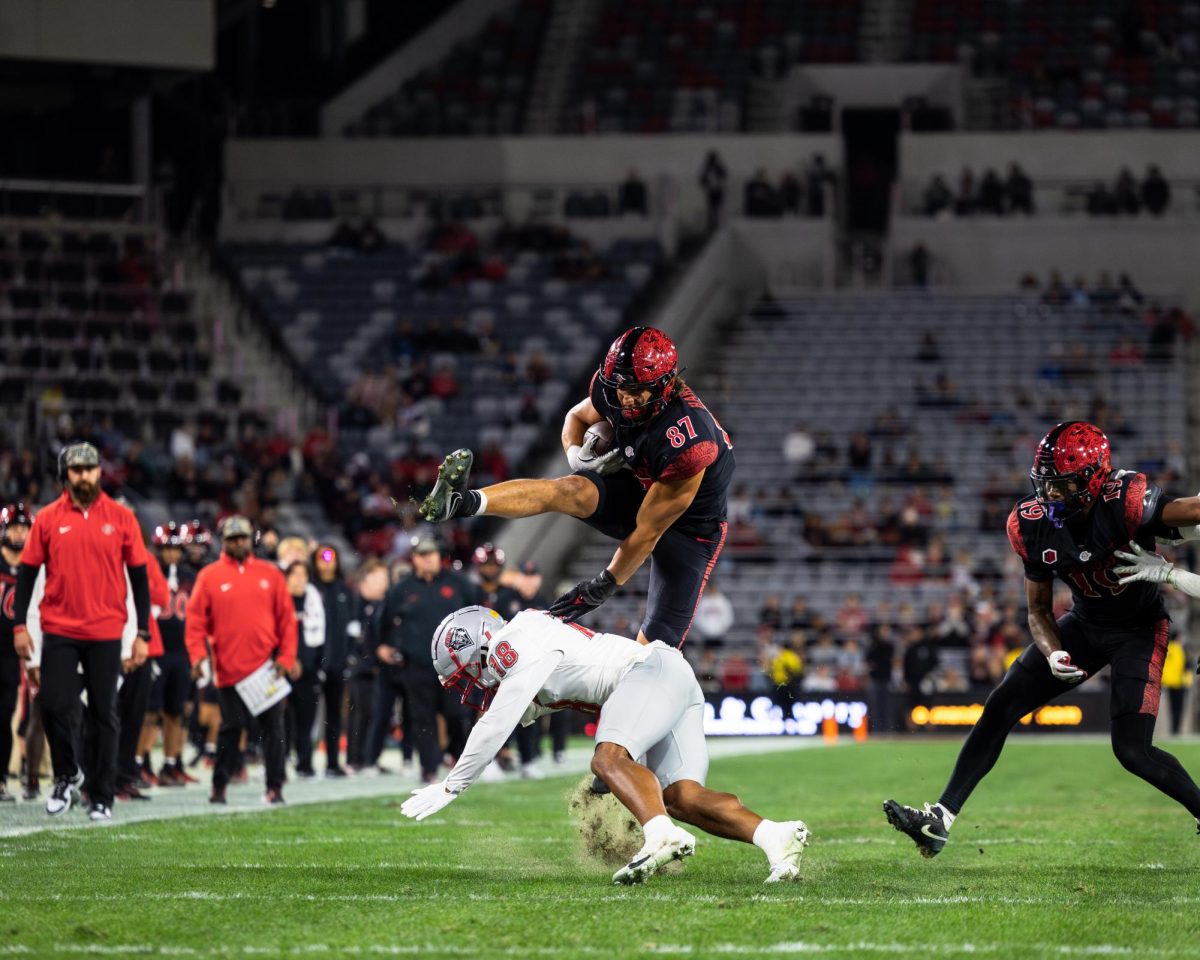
(240, 608)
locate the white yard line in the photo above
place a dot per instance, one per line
(21, 819)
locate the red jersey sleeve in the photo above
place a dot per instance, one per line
(690, 462)
(34, 553)
(197, 625)
(134, 547)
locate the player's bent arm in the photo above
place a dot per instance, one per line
(512, 699)
(1184, 514)
(665, 503)
(578, 419)
(1040, 599)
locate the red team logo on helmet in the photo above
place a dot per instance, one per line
(642, 358)
(1070, 468)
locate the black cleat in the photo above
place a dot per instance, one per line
(447, 494)
(928, 829)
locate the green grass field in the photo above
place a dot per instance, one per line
(1061, 853)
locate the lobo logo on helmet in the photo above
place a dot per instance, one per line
(1049, 556)
(458, 639)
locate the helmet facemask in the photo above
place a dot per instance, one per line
(1070, 469)
(460, 650)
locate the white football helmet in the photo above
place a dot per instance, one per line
(460, 651)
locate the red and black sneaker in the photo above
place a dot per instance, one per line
(217, 795)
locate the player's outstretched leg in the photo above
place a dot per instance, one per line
(638, 789)
(724, 815)
(445, 500)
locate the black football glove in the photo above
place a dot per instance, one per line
(584, 597)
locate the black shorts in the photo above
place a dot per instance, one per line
(680, 563)
(1135, 653)
(173, 687)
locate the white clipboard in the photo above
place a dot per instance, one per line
(262, 689)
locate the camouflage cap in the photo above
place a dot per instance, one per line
(236, 526)
(81, 454)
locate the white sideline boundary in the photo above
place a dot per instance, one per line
(29, 817)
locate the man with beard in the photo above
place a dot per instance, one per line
(87, 542)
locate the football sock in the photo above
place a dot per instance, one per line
(473, 503)
(947, 817)
(656, 828)
(764, 835)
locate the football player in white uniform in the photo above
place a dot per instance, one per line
(649, 705)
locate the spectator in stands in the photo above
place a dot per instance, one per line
(760, 198)
(786, 669)
(816, 179)
(880, 658)
(1156, 192)
(340, 634)
(632, 196)
(529, 412)
(770, 614)
(712, 181)
(1019, 190)
(799, 448)
(345, 241)
(1100, 201)
(791, 194)
(799, 616)
(371, 239)
(985, 667)
(852, 617)
(938, 196)
(918, 266)
(373, 583)
(965, 202)
(443, 384)
(538, 369)
(1126, 194)
(920, 661)
(991, 193)
(714, 615)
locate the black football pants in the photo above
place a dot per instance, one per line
(234, 719)
(1136, 655)
(131, 714)
(10, 689)
(62, 658)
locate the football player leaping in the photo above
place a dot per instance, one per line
(649, 705)
(670, 507)
(1081, 515)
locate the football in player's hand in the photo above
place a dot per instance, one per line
(603, 432)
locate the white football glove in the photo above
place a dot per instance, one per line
(1063, 669)
(426, 801)
(584, 457)
(1142, 565)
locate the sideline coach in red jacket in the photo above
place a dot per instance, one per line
(86, 541)
(241, 606)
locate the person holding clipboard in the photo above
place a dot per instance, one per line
(241, 611)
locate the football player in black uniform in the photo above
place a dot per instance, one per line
(173, 687)
(15, 522)
(670, 506)
(1081, 513)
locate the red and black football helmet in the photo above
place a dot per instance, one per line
(1070, 468)
(487, 553)
(15, 514)
(642, 358)
(171, 534)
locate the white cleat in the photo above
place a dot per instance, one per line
(786, 866)
(531, 771)
(642, 867)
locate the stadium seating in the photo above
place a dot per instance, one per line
(90, 327)
(1097, 65)
(479, 89)
(379, 316)
(670, 66)
(971, 401)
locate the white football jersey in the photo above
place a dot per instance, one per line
(592, 665)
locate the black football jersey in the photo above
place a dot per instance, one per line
(680, 442)
(172, 620)
(1129, 508)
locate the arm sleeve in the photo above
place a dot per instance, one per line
(33, 621)
(26, 577)
(197, 625)
(1185, 582)
(512, 699)
(286, 628)
(139, 583)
